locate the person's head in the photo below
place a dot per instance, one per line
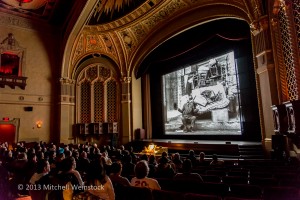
(43, 166)
(191, 152)
(68, 164)
(215, 157)
(202, 155)
(177, 156)
(83, 154)
(22, 156)
(152, 159)
(187, 165)
(141, 169)
(164, 154)
(116, 168)
(144, 157)
(96, 172)
(164, 160)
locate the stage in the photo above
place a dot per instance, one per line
(178, 141)
(229, 149)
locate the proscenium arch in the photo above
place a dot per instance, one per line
(68, 49)
(181, 23)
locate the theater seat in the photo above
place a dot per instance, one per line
(137, 193)
(167, 195)
(192, 196)
(245, 191)
(281, 193)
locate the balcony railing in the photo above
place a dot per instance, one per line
(13, 81)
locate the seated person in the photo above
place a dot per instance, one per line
(202, 161)
(164, 168)
(188, 114)
(216, 161)
(41, 180)
(97, 178)
(69, 177)
(187, 174)
(115, 175)
(141, 180)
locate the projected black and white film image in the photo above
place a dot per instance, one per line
(203, 98)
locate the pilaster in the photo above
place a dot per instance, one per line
(266, 77)
(126, 119)
(67, 110)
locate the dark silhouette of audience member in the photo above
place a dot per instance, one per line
(152, 163)
(164, 169)
(144, 157)
(97, 177)
(18, 169)
(41, 181)
(177, 162)
(216, 161)
(69, 177)
(115, 175)
(187, 174)
(202, 161)
(192, 157)
(84, 163)
(141, 180)
(133, 156)
(128, 167)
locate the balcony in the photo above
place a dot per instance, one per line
(13, 81)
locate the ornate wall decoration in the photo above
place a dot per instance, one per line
(93, 43)
(90, 42)
(97, 95)
(164, 13)
(79, 49)
(290, 59)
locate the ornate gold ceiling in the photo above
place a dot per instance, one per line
(128, 39)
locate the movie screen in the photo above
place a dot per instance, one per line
(203, 98)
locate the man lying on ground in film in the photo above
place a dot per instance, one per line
(188, 115)
(201, 101)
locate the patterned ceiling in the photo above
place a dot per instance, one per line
(53, 12)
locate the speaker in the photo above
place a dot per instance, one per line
(28, 108)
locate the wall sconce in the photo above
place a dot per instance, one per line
(39, 124)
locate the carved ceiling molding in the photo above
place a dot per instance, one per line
(20, 22)
(121, 38)
(10, 20)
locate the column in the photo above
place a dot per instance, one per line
(67, 110)
(126, 134)
(266, 77)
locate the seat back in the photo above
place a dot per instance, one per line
(136, 193)
(167, 195)
(245, 191)
(281, 193)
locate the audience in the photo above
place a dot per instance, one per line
(104, 171)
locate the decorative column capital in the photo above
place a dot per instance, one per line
(65, 80)
(259, 25)
(126, 79)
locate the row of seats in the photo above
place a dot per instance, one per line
(237, 192)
